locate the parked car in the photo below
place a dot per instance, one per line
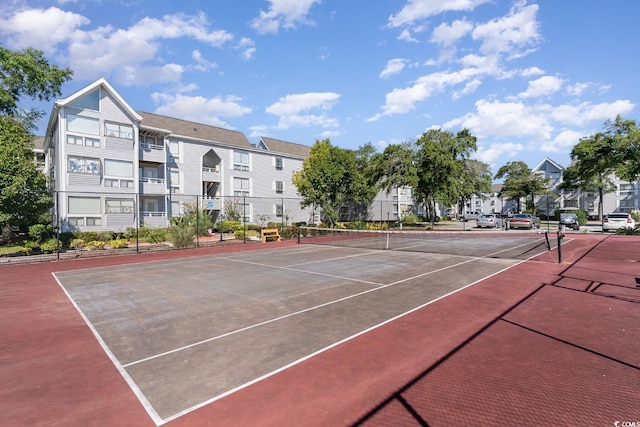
(489, 221)
(569, 220)
(523, 221)
(617, 220)
(473, 215)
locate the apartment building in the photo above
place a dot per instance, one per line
(113, 167)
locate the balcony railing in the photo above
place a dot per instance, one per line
(152, 180)
(215, 169)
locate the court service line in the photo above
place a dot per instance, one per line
(337, 343)
(295, 313)
(134, 387)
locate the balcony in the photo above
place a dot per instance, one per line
(152, 153)
(211, 174)
(150, 185)
(153, 219)
(211, 203)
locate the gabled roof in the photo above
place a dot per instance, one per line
(558, 166)
(193, 130)
(279, 146)
(104, 84)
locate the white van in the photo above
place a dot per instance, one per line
(470, 216)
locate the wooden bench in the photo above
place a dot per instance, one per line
(269, 235)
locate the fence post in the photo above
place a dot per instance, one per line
(560, 237)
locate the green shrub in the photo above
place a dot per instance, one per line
(239, 234)
(87, 236)
(155, 235)
(66, 238)
(104, 236)
(27, 247)
(49, 246)
(119, 243)
(77, 244)
(411, 219)
(253, 227)
(182, 236)
(628, 231)
(40, 232)
(95, 244)
(355, 225)
(229, 226)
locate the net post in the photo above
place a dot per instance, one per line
(546, 240)
(298, 234)
(388, 236)
(560, 236)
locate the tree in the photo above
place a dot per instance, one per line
(594, 159)
(521, 182)
(440, 162)
(328, 179)
(625, 138)
(24, 199)
(27, 74)
(476, 179)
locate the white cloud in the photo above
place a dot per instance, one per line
(295, 110)
(566, 139)
(447, 35)
(394, 66)
(131, 55)
(511, 33)
(202, 64)
(283, 13)
(545, 85)
(532, 71)
(44, 28)
(418, 10)
(470, 87)
(248, 48)
(580, 114)
(200, 109)
(497, 150)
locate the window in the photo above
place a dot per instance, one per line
(279, 163)
(627, 190)
(240, 161)
(84, 211)
(118, 168)
(82, 140)
(84, 165)
(240, 187)
(90, 101)
(116, 130)
(174, 175)
(81, 124)
(279, 187)
(626, 205)
(174, 150)
(278, 210)
(119, 183)
(119, 206)
(84, 205)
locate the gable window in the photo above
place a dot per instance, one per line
(81, 124)
(241, 187)
(116, 130)
(83, 165)
(279, 163)
(90, 101)
(279, 186)
(241, 161)
(119, 206)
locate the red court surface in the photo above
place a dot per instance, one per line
(538, 344)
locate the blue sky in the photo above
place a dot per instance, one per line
(528, 78)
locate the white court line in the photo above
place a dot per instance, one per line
(337, 343)
(134, 387)
(295, 313)
(149, 407)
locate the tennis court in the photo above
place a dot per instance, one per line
(186, 332)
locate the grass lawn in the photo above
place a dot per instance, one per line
(9, 249)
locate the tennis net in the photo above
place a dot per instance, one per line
(500, 244)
